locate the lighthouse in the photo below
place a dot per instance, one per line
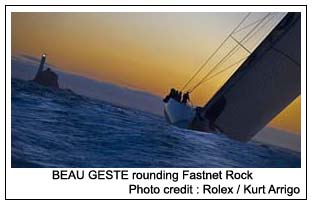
(46, 77)
(43, 59)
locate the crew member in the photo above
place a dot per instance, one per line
(179, 96)
(186, 97)
(170, 95)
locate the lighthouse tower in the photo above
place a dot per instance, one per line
(43, 59)
(46, 77)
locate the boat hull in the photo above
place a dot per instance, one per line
(178, 114)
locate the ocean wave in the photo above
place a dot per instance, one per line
(59, 128)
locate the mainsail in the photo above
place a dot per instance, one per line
(262, 86)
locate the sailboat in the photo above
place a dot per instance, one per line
(266, 82)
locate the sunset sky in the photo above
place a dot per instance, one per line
(147, 51)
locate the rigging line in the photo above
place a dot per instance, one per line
(250, 36)
(253, 34)
(229, 54)
(209, 78)
(209, 58)
(247, 26)
(240, 44)
(243, 39)
(228, 67)
(261, 27)
(235, 31)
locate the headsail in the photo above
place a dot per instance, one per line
(262, 86)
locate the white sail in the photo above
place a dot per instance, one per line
(262, 86)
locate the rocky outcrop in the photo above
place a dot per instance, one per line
(47, 78)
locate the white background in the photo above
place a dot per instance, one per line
(36, 183)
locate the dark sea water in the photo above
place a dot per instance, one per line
(56, 128)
